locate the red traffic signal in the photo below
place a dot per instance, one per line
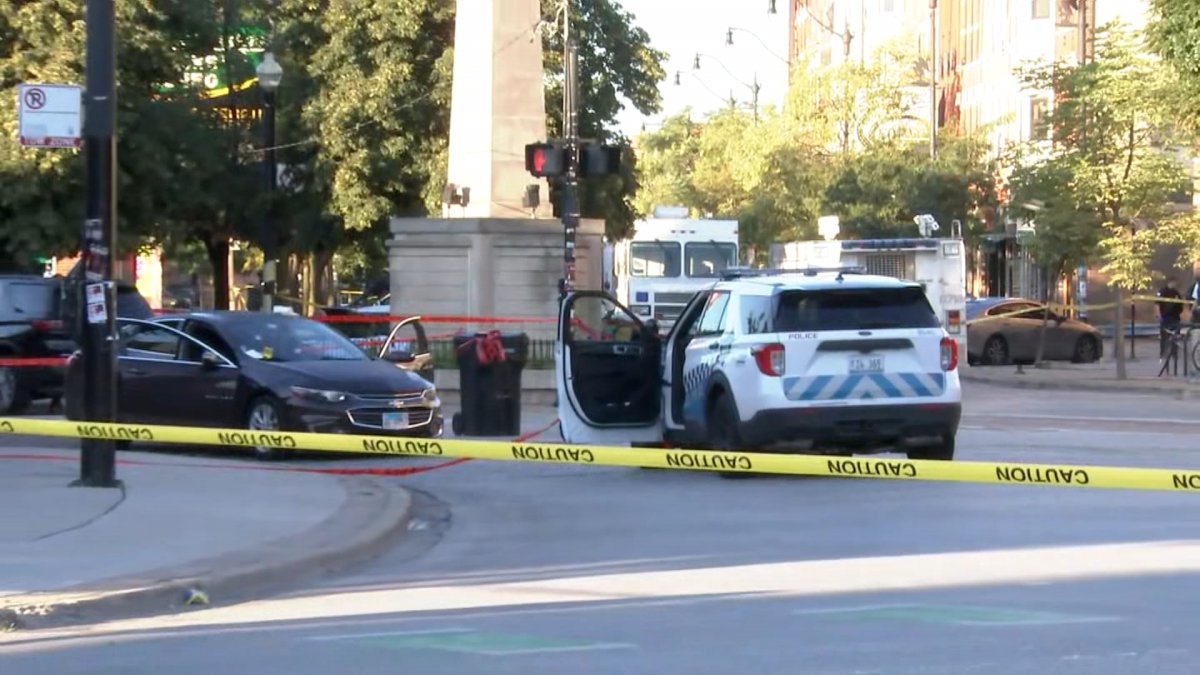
(545, 160)
(599, 160)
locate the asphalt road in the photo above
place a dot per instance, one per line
(540, 568)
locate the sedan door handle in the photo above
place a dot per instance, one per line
(627, 350)
(136, 371)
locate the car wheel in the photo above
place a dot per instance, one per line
(265, 414)
(1086, 350)
(723, 432)
(942, 452)
(995, 351)
(12, 398)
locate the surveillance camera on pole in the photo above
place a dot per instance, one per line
(926, 225)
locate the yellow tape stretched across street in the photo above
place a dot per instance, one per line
(1055, 475)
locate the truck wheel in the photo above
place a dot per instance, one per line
(14, 398)
(723, 431)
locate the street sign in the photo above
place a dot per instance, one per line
(50, 115)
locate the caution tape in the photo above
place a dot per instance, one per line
(377, 318)
(1005, 473)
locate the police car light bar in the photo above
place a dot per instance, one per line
(731, 273)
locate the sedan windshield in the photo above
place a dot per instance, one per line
(268, 338)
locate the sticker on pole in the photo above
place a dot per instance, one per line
(49, 115)
(96, 310)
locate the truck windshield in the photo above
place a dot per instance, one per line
(708, 259)
(654, 259)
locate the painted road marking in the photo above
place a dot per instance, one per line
(466, 641)
(953, 614)
(815, 578)
(391, 633)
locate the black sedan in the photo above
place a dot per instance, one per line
(265, 372)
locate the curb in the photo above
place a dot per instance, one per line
(1182, 393)
(371, 517)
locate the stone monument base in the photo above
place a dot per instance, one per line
(488, 267)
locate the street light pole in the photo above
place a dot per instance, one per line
(270, 74)
(933, 79)
(571, 210)
(97, 461)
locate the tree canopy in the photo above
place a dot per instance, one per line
(845, 144)
(363, 118)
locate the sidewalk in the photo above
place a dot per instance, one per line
(221, 526)
(1101, 376)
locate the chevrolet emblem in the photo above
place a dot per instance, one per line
(395, 403)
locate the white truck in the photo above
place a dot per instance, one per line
(938, 264)
(667, 260)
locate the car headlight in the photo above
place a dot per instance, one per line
(430, 396)
(322, 395)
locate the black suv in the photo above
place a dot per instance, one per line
(35, 323)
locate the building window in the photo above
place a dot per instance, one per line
(1041, 9)
(889, 5)
(1039, 125)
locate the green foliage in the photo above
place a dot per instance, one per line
(855, 105)
(1174, 33)
(843, 145)
(879, 192)
(1112, 136)
(617, 64)
(1068, 230)
(372, 82)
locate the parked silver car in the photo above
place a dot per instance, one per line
(1013, 337)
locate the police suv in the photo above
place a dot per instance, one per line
(827, 361)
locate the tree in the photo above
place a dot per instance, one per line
(854, 105)
(41, 205)
(1174, 35)
(1113, 133)
(879, 192)
(666, 161)
(1067, 229)
(616, 61)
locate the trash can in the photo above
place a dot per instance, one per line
(490, 392)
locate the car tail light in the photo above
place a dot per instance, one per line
(949, 353)
(45, 326)
(769, 359)
(953, 321)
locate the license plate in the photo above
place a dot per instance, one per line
(866, 364)
(395, 420)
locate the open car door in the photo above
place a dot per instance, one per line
(408, 347)
(607, 369)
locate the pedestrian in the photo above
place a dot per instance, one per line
(1170, 315)
(1194, 296)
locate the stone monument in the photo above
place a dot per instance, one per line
(491, 256)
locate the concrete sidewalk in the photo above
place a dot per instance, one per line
(1101, 376)
(225, 527)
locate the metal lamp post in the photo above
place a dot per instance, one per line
(270, 74)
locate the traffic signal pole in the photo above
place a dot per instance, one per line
(95, 328)
(571, 208)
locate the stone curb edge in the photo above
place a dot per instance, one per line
(367, 523)
(1182, 393)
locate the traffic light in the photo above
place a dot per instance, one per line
(545, 160)
(599, 160)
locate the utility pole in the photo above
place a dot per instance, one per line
(933, 79)
(571, 208)
(97, 332)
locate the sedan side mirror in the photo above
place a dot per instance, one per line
(653, 328)
(210, 361)
(399, 356)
